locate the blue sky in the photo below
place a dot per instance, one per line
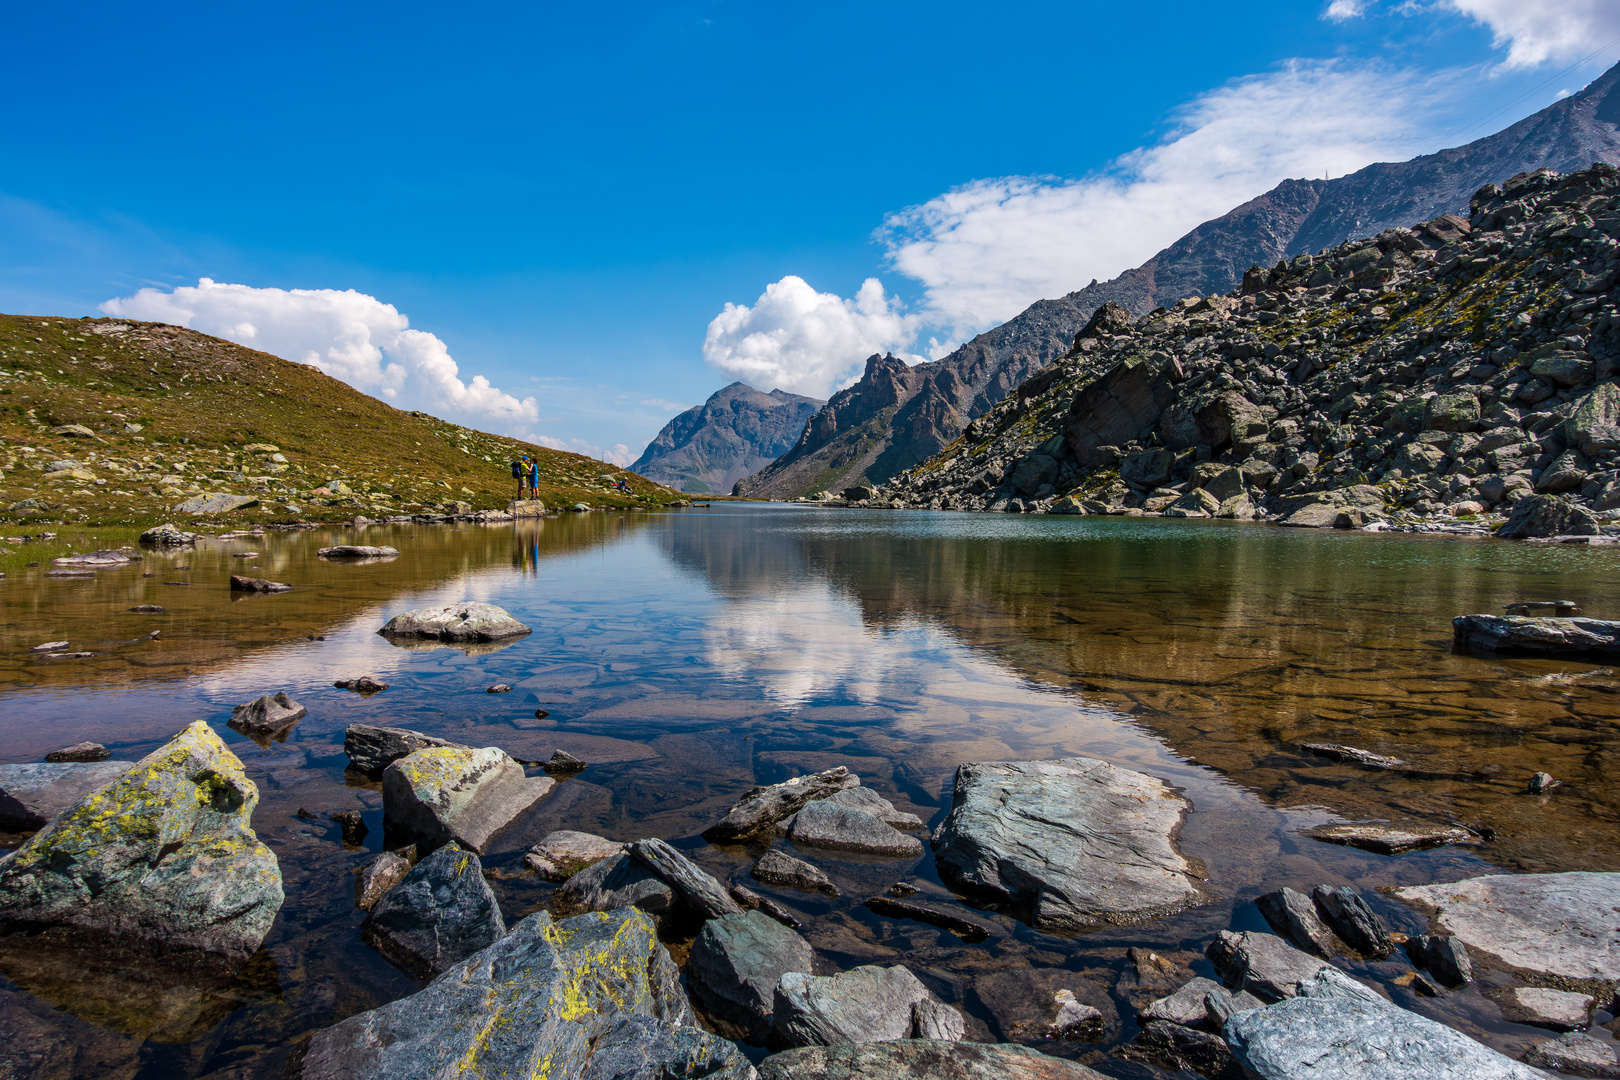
(562, 201)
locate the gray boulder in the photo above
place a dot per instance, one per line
(868, 801)
(470, 620)
(1355, 923)
(1547, 515)
(168, 535)
(1551, 925)
(1575, 1054)
(373, 749)
(1263, 964)
(762, 807)
(357, 551)
(84, 751)
(564, 853)
(734, 966)
(590, 997)
(441, 913)
(921, 1059)
(1561, 1010)
(446, 793)
(1186, 1006)
(1444, 957)
(1076, 843)
(700, 892)
(267, 717)
(1490, 635)
(165, 854)
(1345, 1038)
(32, 795)
(1293, 915)
(829, 825)
(864, 1004)
(615, 882)
(785, 872)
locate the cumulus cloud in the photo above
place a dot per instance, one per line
(1340, 10)
(986, 250)
(347, 334)
(1536, 31)
(796, 339)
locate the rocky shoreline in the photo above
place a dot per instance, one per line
(1457, 376)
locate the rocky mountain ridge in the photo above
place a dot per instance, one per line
(1445, 373)
(855, 440)
(738, 431)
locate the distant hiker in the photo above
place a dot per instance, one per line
(534, 479)
(520, 473)
(622, 485)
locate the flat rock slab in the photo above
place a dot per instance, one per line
(357, 551)
(595, 995)
(1561, 1010)
(762, 807)
(1262, 964)
(94, 558)
(469, 620)
(864, 1004)
(373, 749)
(785, 872)
(921, 1059)
(439, 914)
(734, 966)
(215, 504)
(1577, 1054)
(1513, 635)
(448, 793)
(1391, 839)
(1074, 843)
(252, 584)
(164, 854)
(31, 796)
(1555, 925)
(827, 824)
(564, 853)
(1356, 1039)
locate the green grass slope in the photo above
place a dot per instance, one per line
(174, 413)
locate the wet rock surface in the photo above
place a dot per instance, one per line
(165, 854)
(445, 793)
(1392, 840)
(441, 912)
(375, 878)
(31, 796)
(267, 717)
(734, 967)
(1075, 842)
(696, 888)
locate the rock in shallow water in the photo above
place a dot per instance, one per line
(762, 807)
(1293, 915)
(921, 1059)
(616, 882)
(264, 718)
(864, 1004)
(1263, 964)
(438, 915)
(448, 793)
(165, 854)
(842, 828)
(592, 996)
(697, 889)
(1491, 635)
(1558, 925)
(32, 795)
(564, 853)
(469, 620)
(377, 877)
(85, 751)
(734, 967)
(1392, 840)
(1076, 843)
(357, 551)
(785, 872)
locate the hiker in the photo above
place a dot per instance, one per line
(534, 478)
(520, 473)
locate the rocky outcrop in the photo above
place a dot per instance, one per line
(1540, 924)
(864, 1004)
(1073, 844)
(31, 796)
(439, 914)
(734, 966)
(921, 1059)
(164, 855)
(595, 995)
(468, 621)
(738, 431)
(1352, 387)
(761, 808)
(446, 793)
(1521, 635)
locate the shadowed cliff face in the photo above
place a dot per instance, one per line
(708, 448)
(847, 446)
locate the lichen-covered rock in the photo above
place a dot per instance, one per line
(438, 915)
(734, 967)
(921, 1059)
(164, 854)
(32, 795)
(470, 620)
(373, 749)
(590, 997)
(1074, 843)
(445, 793)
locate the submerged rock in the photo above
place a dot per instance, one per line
(864, 1004)
(1391, 839)
(564, 853)
(921, 1059)
(469, 620)
(445, 793)
(592, 996)
(1491, 635)
(1546, 924)
(377, 877)
(785, 872)
(734, 967)
(240, 583)
(966, 929)
(1076, 843)
(364, 685)
(85, 751)
(762, 807)
(373, 749)
(827, 824)
(165, 854)
(1561, 1010)
(439, 914)
(31, 796)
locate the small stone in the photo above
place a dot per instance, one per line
(256, 585)
(499, 688)
(377, 877)
(1444, 957)
(1186, 1006)
(147, 609)
(365, 685)
(784, 871)
(354, 828)
(268, 717)
(51, 646)
(469, 620)
(1543, 782)
(1293, 915)
(1561, 1010)
(1347, 913)
(699, 890)
(562, 763)
(85, 751)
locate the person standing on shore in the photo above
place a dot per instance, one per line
(520, 473)
(534, 478)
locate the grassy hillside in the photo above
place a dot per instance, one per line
(173, 413)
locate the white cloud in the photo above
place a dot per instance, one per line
(349, 335)
(620, 454)
(986, 250)
(1536, 31)
(1340, 10)
(796, 339)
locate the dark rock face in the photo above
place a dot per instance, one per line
(616, 882)
(1293, 915)
(1357, 924)
(597, 992)
(697, 889)
(738, 431)
(1444, 957)
(785, 872)
(373, 749)
(896, 417)
(734, 967)
(441, 913)
(921, 1059)
(1489, 635)
(1549, 515)
(239, 583)
(85, 751)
